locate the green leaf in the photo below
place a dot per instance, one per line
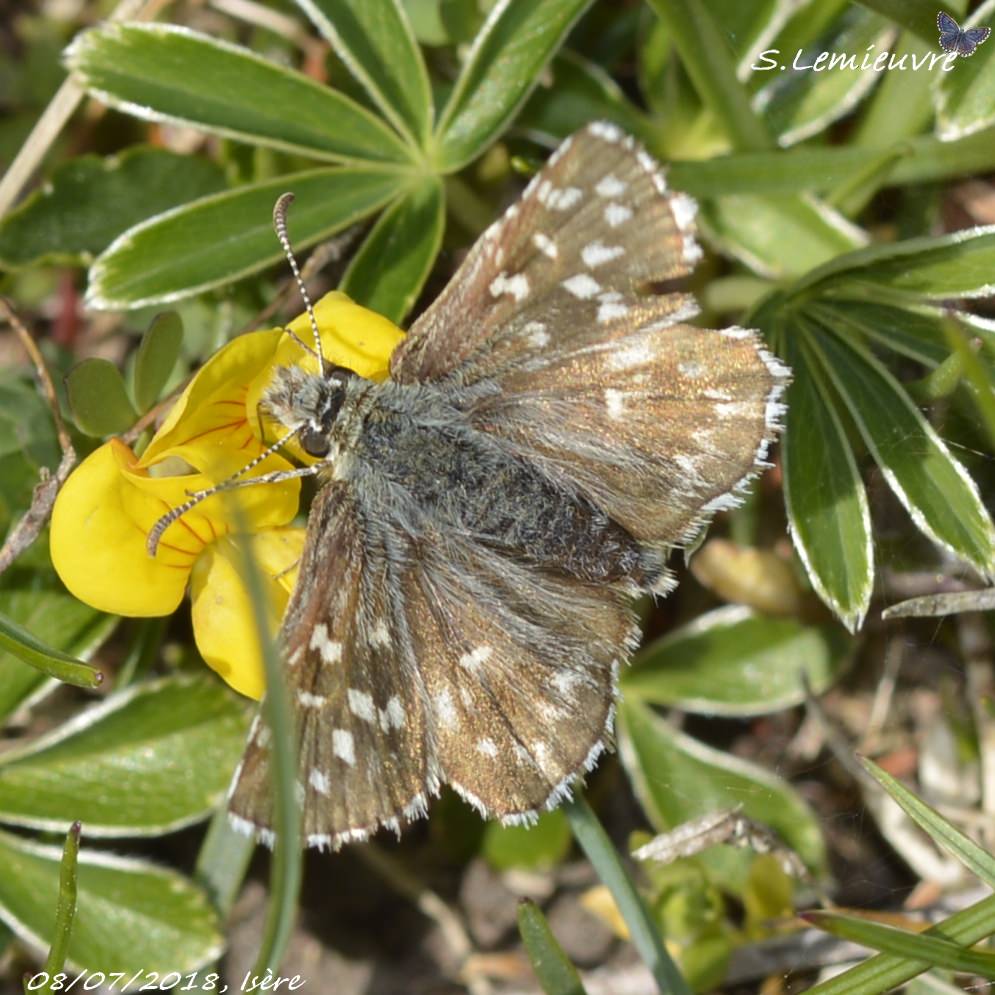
(711, 64)
(825, 498)
(779, 236)
(901, 943)
(732, 661)
(130, 915)
(163, 72)
(98, 398)
(580, 92)
(218, 239)
(938, 492)
(36, 600)
(390, 268)
(961, 264)
(374, 39)
(605, 860)
(553, 970)
(540, 846)
(515, 43)
(17, 641)
(65, 909)
(89, 201)
(805, 101)
(974, 857)
(886, 971)
(156, 358)
(677, 778)
(965, 96)
(152, 758)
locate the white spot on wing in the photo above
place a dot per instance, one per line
(445, 709)
(685, 210)
(610, 186)
(330, 649)
(488, 747)
(343, 746)
(614, 402)
(637, 354)
(535, 332)
(361, 705)
(602, 129)
(597, 253)
(617, 214)
(565, 199)
(393, 714)
(472, 660)
(318, 781)
(517, 286)
(581, 285)
(380, 635)
(308, 700)
(545, 245)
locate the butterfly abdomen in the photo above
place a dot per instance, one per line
(432, 468)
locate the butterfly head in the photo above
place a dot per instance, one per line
(308, 404)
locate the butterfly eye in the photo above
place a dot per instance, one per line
(314, 442)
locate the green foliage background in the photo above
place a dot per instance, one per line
(821, 197)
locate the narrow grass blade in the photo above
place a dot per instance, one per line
(645, 934)
(20, 643)
(555, 973)
(65, 909)
(974, 857)
(930, 951)
(374, 39)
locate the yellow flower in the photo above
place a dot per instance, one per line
(103, 514)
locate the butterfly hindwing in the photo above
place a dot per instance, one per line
(365, 759)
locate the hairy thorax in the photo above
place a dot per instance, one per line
(417, 456)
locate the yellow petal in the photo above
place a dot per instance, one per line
(351, 336)
(223, 617)
(99, 550)
(210, 426)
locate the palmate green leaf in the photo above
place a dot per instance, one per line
(163, 72)
(938, 492)
(36, 600)
(149, 759)
(157, 355)
(390, 268)
(799, 103)
(677, 778)
(733, 661)
(89, 201)
(779, 236)
(824, 495)
(218, 239)
(553, 970)
(374, 39)
(98, 398)
(965, 96)
(517, 40)
(961, 264)
(130, 915)
(580, 92)
(711, 64)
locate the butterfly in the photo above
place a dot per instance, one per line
(953, 38)
(551, 429)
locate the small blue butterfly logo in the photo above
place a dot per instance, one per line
(954, 38)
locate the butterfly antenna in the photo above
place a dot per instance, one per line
(155, 533)
(280, 226)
